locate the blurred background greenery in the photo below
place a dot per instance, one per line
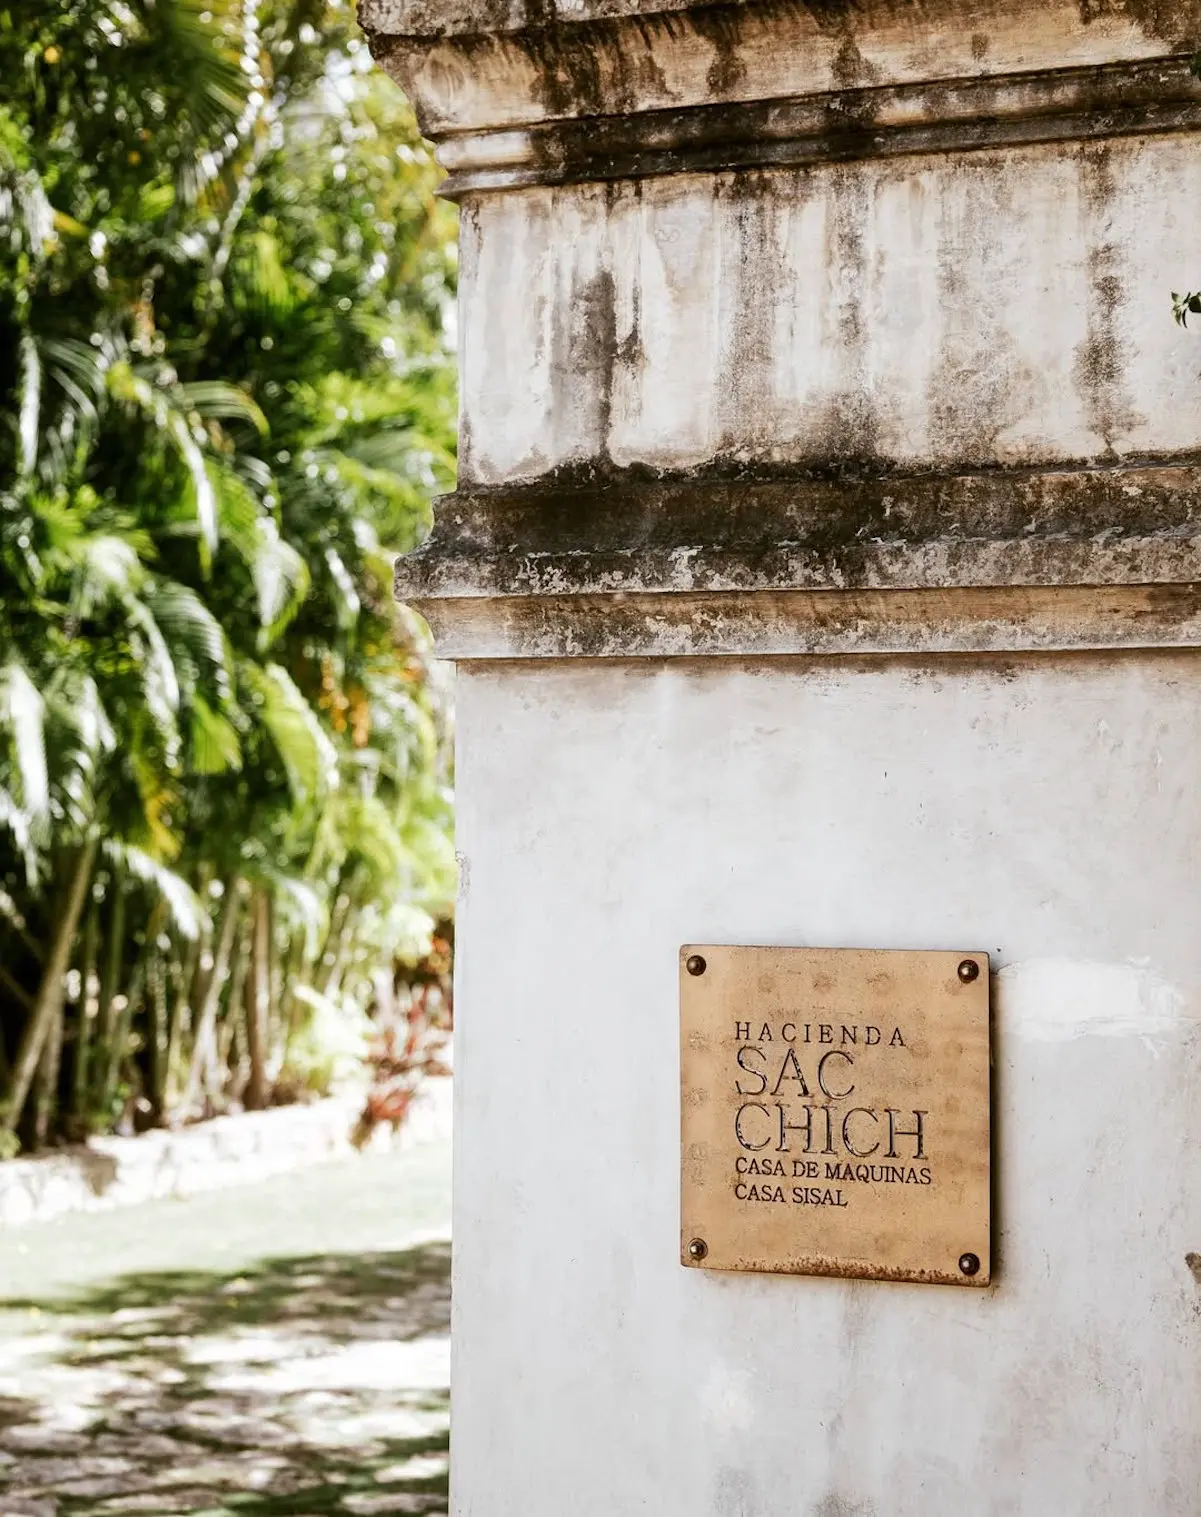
(226, 398)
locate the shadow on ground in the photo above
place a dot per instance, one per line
(302, 1386)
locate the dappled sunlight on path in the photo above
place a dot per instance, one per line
(298, 1384)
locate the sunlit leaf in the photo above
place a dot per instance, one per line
(22, 717)
(187, 909)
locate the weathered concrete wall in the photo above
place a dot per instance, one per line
(797, 327)
(914, 313)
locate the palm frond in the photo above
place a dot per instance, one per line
(30, 406)
(281, 579)
(79, 361)
(187, 622)
(261, 282)
(223, 402)
(215, 745)
(135, 390)
(19, 825)
(300, 906)
(278, 571)
(26, 210)
(160, 679)
(304, 748)
(186, 907)
(348, 602)
(74, 705)
(22, 714)
(201, 47)
(213, 218)
(107, 568)
(204, 497)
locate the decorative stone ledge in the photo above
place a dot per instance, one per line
(557, 62)
(771, 624)
(1137, 99)
(637, 567)
(1099, 526)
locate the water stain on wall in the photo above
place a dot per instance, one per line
(1102, 359)
(734, 1494)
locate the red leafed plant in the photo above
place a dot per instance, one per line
(411, 1043)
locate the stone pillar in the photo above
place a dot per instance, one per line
(823, 571)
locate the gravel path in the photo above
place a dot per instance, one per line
(279, 1349)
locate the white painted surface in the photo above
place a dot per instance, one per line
(945, 312)
(1048, 810)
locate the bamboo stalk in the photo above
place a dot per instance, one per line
(258, 997)
(199, 975)
(110, 976)
(83, 1035)
(123, 1019)
(204, 1047)
(121, 1034)
(50, 990)
(276, 1025)
(329, 959)
(156, 1041)
(292, 1009)
(180, 1027)
(335, 953)
(240, 1058)
(46, 1090)
(239, 967)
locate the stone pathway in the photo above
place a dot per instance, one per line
(280, 1349)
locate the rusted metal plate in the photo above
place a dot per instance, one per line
(835, 1112)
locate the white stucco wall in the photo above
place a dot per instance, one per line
(1047, 810)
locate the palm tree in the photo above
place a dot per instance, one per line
(223, 759)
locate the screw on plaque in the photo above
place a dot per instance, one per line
(698, 1249)
(695, 964)
(969, 970)
(969, 1264)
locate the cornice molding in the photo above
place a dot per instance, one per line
(955, 116)
(802, 565)
(798, 623)
(482, 69)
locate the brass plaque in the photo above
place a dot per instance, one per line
(835, 1112)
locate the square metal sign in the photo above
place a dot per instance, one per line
(835, 1112)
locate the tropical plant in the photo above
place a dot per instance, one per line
(226, 396)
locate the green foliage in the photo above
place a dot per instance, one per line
(1184, 306)
(226, 397)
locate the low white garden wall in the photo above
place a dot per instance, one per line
(227, 1151)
